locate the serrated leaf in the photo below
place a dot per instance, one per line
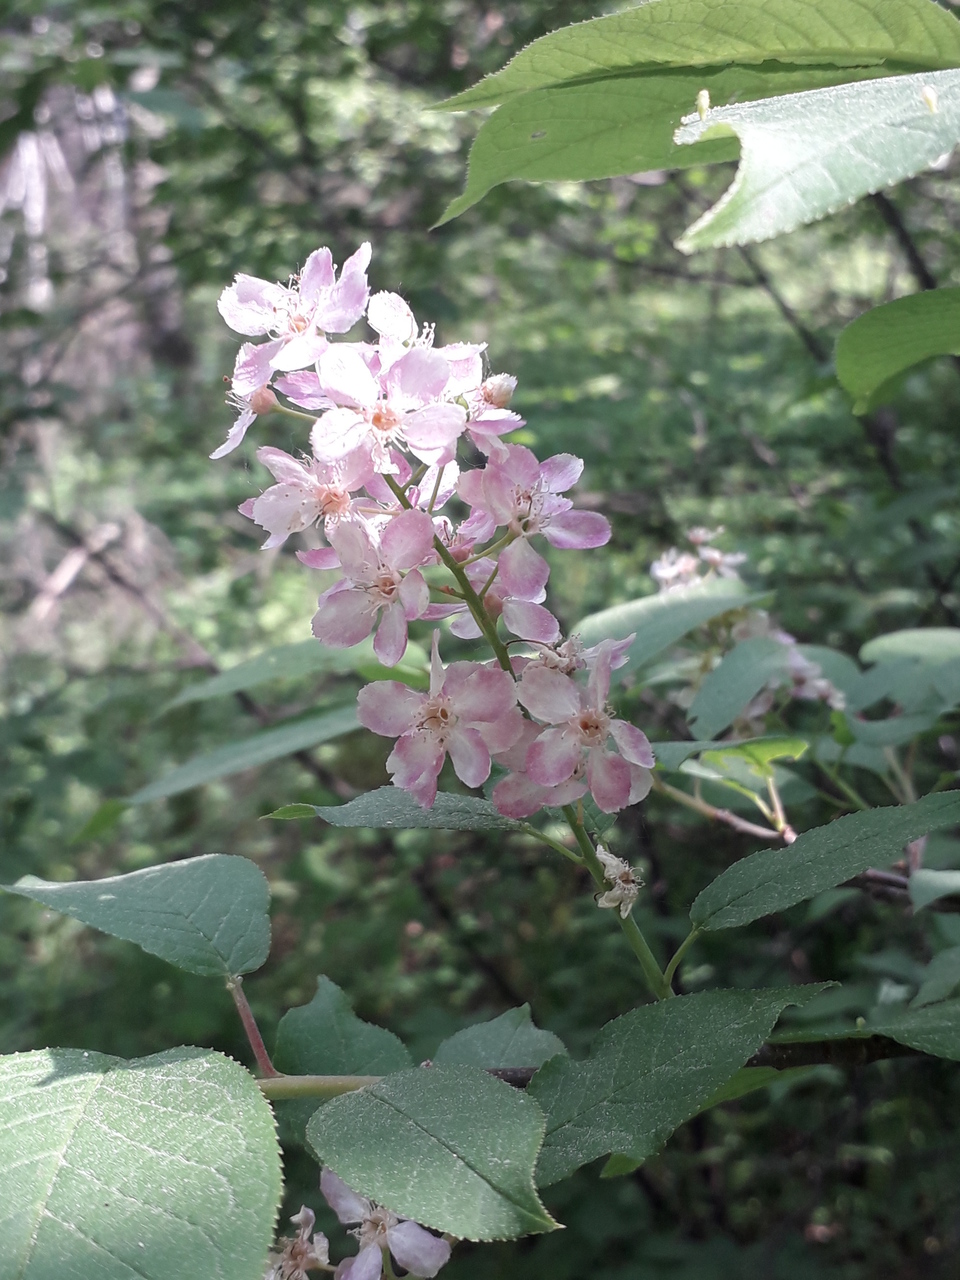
(805, 155)
(691, 33)
(928, 886)
(290, 661)
(820, 859)
(941, 978)
(876, 348)
(648, 1072)
(250, 753)
(661, 620)
(207, 915)
(729, 687)
(934, 1028)
(164, 1168)
(511, 1040)
(392, 807)
(462, 1149)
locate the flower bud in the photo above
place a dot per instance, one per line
(499, 389)
(263, 401)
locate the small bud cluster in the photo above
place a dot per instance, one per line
(388, 419)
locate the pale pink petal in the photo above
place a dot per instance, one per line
(345, 303)
(284, 509)
(303, 350)
(367, 1265)
(390, 316)
(553, 757)
(343, 1200)
(515, 757)
(252, 368)
(608, 777)
(416, 1249)
(479, 694)
(471, 759)
(407, 540)
(414, 595)
(388, 707)
(235, 434)
(319, 558)
(523, 466)
(561, 472)
(501, 734)
(634, 745)
(499, 492)
(337, 433)
(437, 673)
(284, 468)
(303, 388)
(641, 780)
(530, 621)
(470, 488)
(523, 571)
(317, 274)
(416, 378)
(434, 612)
(344, 377)
(598, 686)
(390, 642)
(415, 763)
(464, 628)
(344, 618)
(356, 550)
(248, 304)
(548, 695)
(518, 796)
(432, 432)
(577, 529)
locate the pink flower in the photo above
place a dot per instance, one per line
(250, 393)
(517, 795)
(527, 619)
(415, 1249)
(401, 406)
(379, 578)
(307, 491)
(301, 314)
(470, 712)
(580, 727)
(523, 494)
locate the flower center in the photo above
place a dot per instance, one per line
(528, 508)
(333, 502)
(437, 718)
(385, 419)
(593, 727)
(385, 585)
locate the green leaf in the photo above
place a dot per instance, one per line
(106, 817)
(290, 661)
(649, 1071)
(727, 689)
(392, 807)
(926, 644)
(291, 812)
(876, 348)
(805, 155)
(663, 619)
(326, 1038)
(250, 753)
(928, 886)
(934, 1028)
(164, 1168)
(508, 1041)
(206, 915)
(671, 755)
(756, 754)
(941, 978)
(690, 33)
(775, 879)
(462, 1149)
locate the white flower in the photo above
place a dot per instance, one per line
(626, 883)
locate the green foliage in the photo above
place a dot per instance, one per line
(931, 1028)
(462, 1150)
(391, 807)
(511, 1040)
(206, 915)
(805, 155)
(164, 1167)
(940, 980)
(325, 1037)
(878, 347)
(648, 1072)
(776, 879)
(727, 689)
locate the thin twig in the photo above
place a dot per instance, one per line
(235, 987)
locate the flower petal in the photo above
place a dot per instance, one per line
(548, 695)
(471, 759)
(608, 777)
(343, 618)
(235, 434)
(388, 707)
(634, 745)
(252, 368)
(415, 763)
(561, 472)
(416, 1249)
(577, 529)
(367, 1265)
(530, 621)
(553, 757)
(343, 1200)
(407, 540)
(523, 571)
(390, 642)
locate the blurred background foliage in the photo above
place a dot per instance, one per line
(149, 149)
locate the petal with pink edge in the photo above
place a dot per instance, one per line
(319, 558)
(303, 350)
(388, 707)
(344, 304)
(248, 304)
(530, 621)
(501, 734)
(390, 316)
(479, 694)
(416, 378)
(235, 434)
(518, 796)
(252, 368)
(634, 745)
(416, 1249)
(415, 763)
(523, 571)
(390, 642)
(561, 472)
(641, 780)
(317, 274)
(337, 433)
(548, 695)
(553, 757)
(343, 1200)
(471, 759)
(407, 540)
(367, 1265)
(344, 618)
(432, 432)
(573, 530)
(608, 777)
(345, 377)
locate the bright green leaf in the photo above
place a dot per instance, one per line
(692, 33)
(934, 1028)
(164, 1168)
(462, 1148)
(206, 915)
(775, 879)
(941, 978)
(508, 1041)
(877, 347)
(727, 689)
(757, 754)
(805, 155)
(661, 620)
(928, 886)
(392, 807)
(648, 1072)
(250, 753)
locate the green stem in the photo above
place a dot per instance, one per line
(293, 413)
(680, 952)
(282, 1088)
(854, 796)
(652, 972)
(553, 844)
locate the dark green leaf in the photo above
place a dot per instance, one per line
(462, 1149)
(778, 878)
(933, 1028)
(206, 915)
(326, 1038)
(941, 978)
(392, 807)
(508, 1041)
(649, 1071)
(164, 1168)
(927, 886)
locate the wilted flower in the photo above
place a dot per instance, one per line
(302, 1254)
(414, 1248)
(624, 879)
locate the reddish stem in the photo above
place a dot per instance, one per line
(235, 987)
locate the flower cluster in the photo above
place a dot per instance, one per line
(384, 489)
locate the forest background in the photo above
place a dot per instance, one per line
(151, 150)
